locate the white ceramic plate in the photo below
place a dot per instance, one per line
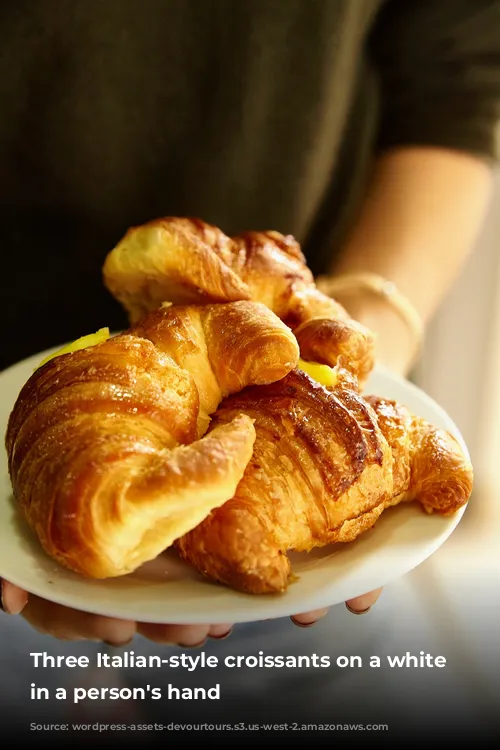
(168, 591)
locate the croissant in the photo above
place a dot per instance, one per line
(107, 451)
(188, 261)
(326, 463)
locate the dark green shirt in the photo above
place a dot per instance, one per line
(251, 114)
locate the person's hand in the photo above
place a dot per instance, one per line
(69, 624)
(358, 606)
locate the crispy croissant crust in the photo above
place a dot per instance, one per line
(325, 465)
(189, 261)
(106, 446)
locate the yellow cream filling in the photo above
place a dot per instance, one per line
(82, 343)
(322, 374)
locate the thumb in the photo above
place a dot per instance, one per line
(12, 599)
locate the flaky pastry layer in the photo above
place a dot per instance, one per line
(107, 450)
(189, 261)
(325, 465)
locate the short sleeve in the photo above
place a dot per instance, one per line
(439, 70)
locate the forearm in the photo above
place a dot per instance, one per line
(420, 220)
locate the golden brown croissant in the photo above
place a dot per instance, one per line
(189, 261)
(325, 465)
(105, 445)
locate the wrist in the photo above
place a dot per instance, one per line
(396, 345)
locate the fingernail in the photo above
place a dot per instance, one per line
(119, 645)
(358, 611)
(193, 645)
(223, 636)
(302, 624)
(17, 603)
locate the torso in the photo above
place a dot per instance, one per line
(116, 113)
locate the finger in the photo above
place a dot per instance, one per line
(219, 632)
(12, 599)
(307, 619)
(71, 625)
(186, 636)
(360, 605)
